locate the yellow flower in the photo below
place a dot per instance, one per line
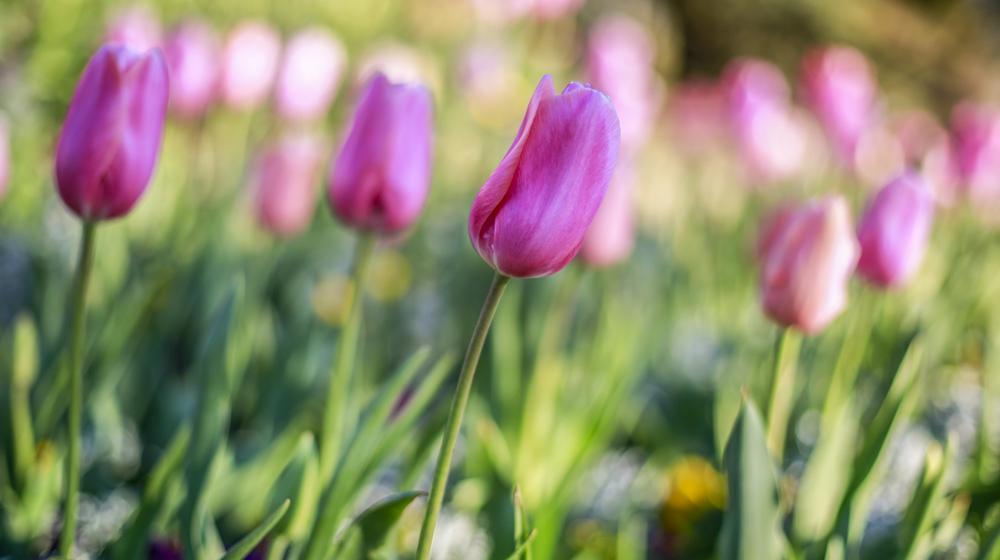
(694, 489)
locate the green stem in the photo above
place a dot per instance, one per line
(77, 305)
(334, 415)
(845, 372)
(782, 391)
(458, 404)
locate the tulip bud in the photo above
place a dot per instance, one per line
(135, 27)
(283, 184)
(249, 63)
(611, 235)
(839, 85)
(620, 57)
(311, 69)
(192, 54)
(807, 255)
(112, 133)
(894, 231)
(381, 177)
(4, 157)
(530, 217)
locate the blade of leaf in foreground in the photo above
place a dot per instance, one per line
(241, 549)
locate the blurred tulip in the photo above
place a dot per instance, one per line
(382, 175)
(192, 52)
(620, 57)
(976, 151)
(4, 157)
(311, 68)
(771, 138)
(135, 27)
(918, 132)
(249, 64)
(894, 231)
(696, 111)
(485, 70)
(112, 134)
(839, 85)
(555, 9)
(530, 217)
(611, 235)
(807, 256)
(283, 184)
(879, 155)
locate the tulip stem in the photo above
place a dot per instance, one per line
(458, 404)
(77, 305)
(334, 415)
(782, 391)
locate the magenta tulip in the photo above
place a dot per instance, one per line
(894, 231)
(283, 184)
(611, 235)
(381, 177)
(839, 85)
(530, 217)
(112, 133)
(311, 69)
(249, 64)
(4, 157)
(749, 83)
(807, 256)
(135, 27)
(193, 55)
(976, 150)
(620, 58)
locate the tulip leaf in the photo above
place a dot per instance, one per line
(378, 520)
(246, 545)
(750, 523)
(826, 476)
(927, 502)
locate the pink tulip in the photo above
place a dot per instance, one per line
(620, 57)
(249, 64)
(530, 217)
(894, 231)
(112, 133)
(611, 235)
(918, 132)
(4, 157)
(976, 150)
(311, 70)
(382, 175)
(193, 56)
(807, 255)
(771, 138)
(136, 27)
(839, 85)
(283, 184)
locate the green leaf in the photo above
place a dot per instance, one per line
(245, 546)
(929, 502)
(750, 523)
(826, 476)
(378, 520)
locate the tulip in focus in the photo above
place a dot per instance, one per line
(112, 134)
(249, 64)
(620, 57)
(283, 184)
(192, 51)
(807, 255)
(530, 217)
(136, 27)
(311, 69)
(4, 157)
(839, 85)
(611, 235)
(894, 231)
(380, 180)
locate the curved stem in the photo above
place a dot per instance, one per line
(77, 306)
(782, 391)
(347, 349)
(458, 404)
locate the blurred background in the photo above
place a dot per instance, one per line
(607, 392)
